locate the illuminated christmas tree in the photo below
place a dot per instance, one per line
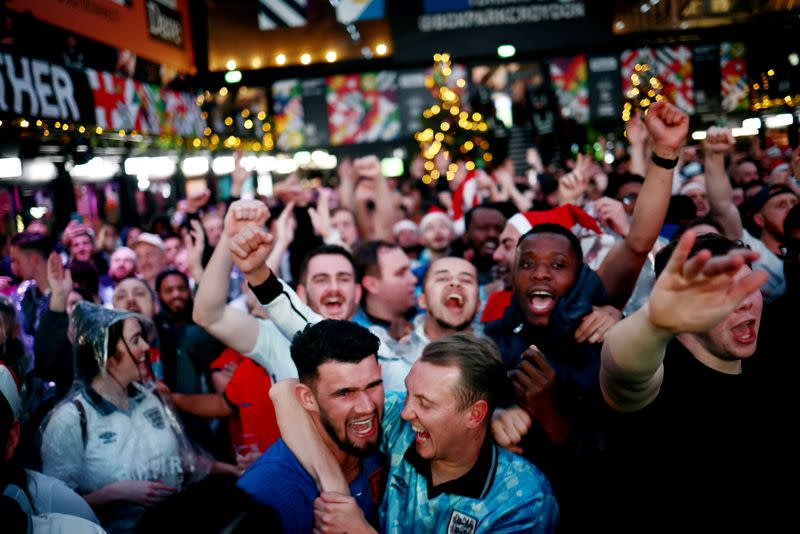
(645, 89)
(448, 127)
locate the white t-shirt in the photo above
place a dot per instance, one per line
(770, 263)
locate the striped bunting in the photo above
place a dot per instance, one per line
(281, 14)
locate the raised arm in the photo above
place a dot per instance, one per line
(718, 142)
(234, 328)
(620, 268)
(385, 215)
(638, 138)
(299, 434)
(691, 295)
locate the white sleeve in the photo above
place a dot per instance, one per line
(290, 314)
(769, 263)
(272, 351)
(50, 495)
(62, 445)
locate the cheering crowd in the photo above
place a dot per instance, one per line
(583, 347)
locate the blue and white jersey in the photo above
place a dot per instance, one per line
(502, 493)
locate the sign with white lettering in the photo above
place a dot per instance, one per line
(164, 23)
(35, 88)
(422, 27)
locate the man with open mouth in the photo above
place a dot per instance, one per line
(691, 416)
(446, 473)
(341, 390)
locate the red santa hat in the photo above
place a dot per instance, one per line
(435, 213)
(466, 195)
(567, 216)
(779, 165)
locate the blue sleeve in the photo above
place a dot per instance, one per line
(270, 483)
(392, 424)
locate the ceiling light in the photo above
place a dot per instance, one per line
(10, 168)
(752, 124)
(506, 51)
(794, 59)
(305, 59)
(381, 49)
(779, 121)
(223, 165)
(330, 56)
(256, 62)
(280, 59)
(194, 166)
(233, 76)
(231, 64)
(619, 25)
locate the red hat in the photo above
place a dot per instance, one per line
(567, 216)
(466, 195)
(779, 165)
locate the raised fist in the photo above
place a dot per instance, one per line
(243, 213)
(718, 141)
(668, 127)
(249, 251)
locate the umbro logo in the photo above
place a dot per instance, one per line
(108, 438)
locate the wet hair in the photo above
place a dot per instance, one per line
(169, 272)
(33, 242)
(552, 228)
(319, 251)
(479, 363)
(331, 340)
(85, 360)
(717, 244)
(365, 257)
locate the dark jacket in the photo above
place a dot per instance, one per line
(574, 466)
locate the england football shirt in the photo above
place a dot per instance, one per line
(502, 493)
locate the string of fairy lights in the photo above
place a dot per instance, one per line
(760, 98)
(96, 135)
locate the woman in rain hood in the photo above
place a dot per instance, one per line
(114, 440)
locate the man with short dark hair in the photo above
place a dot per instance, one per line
(483, 226)
(341, 390)
(327, 288)
(389, 286)
(446, 472)
(29, 253)
(700, 420)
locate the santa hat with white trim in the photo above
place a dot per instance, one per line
(567, 216)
